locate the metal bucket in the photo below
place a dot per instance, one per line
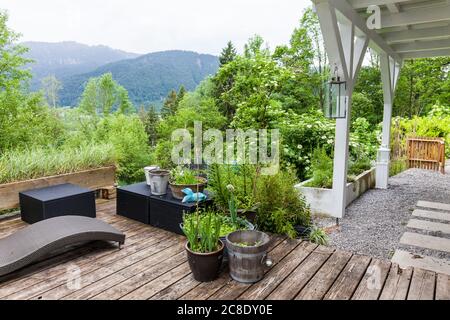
(147, 171)
(159, 180)
(248, 263)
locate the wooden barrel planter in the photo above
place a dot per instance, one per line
(94, 179)
(247, 255)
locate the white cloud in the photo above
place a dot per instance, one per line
(147, 26)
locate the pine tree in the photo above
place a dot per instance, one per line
(170, 104)
(228, 54)
(181, 94)
(151, 122)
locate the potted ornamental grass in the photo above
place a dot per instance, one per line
(203, 246)
(183, 178)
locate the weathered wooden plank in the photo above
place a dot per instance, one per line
(422, 285)
(397, 283)
(234, 289)
(142, 276)
(100, 279)
(276, 275)
(92, 179)
(109, 262)
(177, 289)
(349, 279)
(442, 287)
(298, 278)
(319, 285)
(158, 284)
(373, 281)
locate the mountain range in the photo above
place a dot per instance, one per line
(148, 78)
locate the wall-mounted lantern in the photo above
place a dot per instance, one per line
(336, 104)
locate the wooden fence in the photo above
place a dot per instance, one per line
(426, 153)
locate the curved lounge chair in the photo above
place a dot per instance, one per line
(35, 241)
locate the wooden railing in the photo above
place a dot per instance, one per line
(426, 153)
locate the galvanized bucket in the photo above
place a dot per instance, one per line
(147, 171)
(247, 255)
(159, 180)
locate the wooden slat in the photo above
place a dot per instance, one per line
(371, 285)
(233, 289)
(347, 282)
(177, 289)
(397, 284)
(422, 285)
(443, 287)
(319, 285)
(277, 274)
(295, 281)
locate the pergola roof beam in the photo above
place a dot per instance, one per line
(362, 4)
(422, 46)
(348, 12)
(426, 54)
(416, 34)
(416, 16)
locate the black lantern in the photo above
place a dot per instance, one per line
(336, 104)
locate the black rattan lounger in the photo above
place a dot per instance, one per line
(37, 240)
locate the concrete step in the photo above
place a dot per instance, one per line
(431, 214)
(424, 241)
(429, 226)
(408, 259)
(434, 205)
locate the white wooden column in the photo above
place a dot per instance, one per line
(346, 53)
(390, 70)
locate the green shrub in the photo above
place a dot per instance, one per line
(322, 168)
(280, 205)
(397, 166)
(35, 163)
(318, 236)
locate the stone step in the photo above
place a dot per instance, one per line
(429, 226)
(431, 214)
(434, 205)
(407, 259)
(424, 241)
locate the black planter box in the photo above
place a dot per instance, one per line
(136, 202)
(60, 200)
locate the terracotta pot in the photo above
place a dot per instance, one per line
(177, 189)
(205, 267)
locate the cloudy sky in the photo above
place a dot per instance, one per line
(144, 26)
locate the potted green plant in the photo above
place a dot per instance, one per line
(204, 248)
(182, 178)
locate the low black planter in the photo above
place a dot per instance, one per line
(302, 232)
(205, 267)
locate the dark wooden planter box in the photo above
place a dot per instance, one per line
(60, 200)
(136, 202)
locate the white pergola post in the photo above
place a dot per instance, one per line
(390, 70)
(346, 46)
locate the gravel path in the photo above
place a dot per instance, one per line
(374, 223)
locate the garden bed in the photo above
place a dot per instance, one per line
(321, 200)
(93, 179)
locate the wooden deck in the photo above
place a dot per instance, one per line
(152, 265)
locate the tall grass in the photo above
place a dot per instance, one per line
(36, 163)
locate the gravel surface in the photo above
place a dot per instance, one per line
(374, 223)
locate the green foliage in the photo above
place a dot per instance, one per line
(243, 178)
(322, 170)
(280, 206)
(51, 87)
(127, 134)
(151, 121)
(397, 166)
(34, 163)
(202, 232)
(103, 95)
(228, 54)
(12, 73)
(318, 236)
(180, 176)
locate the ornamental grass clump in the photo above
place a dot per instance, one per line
(202, 231)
